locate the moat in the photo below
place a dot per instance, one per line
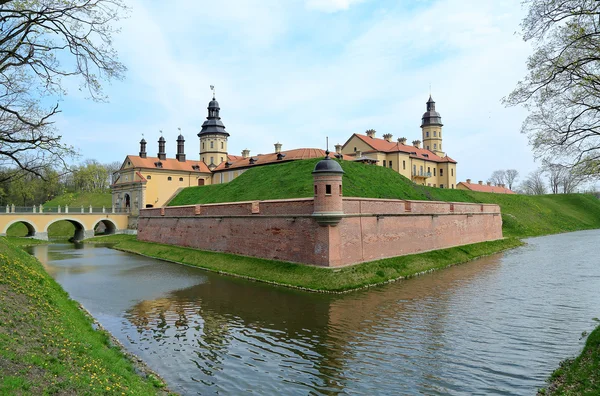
(498, 325)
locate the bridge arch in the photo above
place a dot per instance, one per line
(79, 228)
(30, 227)
(109, 226)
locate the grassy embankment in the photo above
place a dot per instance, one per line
(579, 376)
(48, 345)
(64, 229)
(522, 216)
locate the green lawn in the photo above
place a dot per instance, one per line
(522, 215)
(76, 200)
(310, 277)
(48, 345)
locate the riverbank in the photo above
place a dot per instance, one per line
(48, 345)
(311, 278)
(579, 376)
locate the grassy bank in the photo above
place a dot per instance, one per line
(76, 200)
(522, 215)
(47, 344)
(579, 376)
(309, 277)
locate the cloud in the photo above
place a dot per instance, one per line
(330, 5)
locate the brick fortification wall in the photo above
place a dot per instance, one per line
(370, 229)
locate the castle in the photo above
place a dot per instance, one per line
(147, 182)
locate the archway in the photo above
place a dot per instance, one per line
(20, 228)
(105, 227)
(78, 234)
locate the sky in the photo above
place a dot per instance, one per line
(298, 71)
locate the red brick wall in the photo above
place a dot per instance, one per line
(284, 230)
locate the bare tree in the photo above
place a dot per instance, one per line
(555, 175)
(562, 87)
(511, 177)
(41, 43)
(534, 184)
(498, 177)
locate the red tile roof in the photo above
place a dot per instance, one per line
(262, 159)
(383, 145)
(168, 164)
(485, 188)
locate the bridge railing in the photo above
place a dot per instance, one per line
(62, 209)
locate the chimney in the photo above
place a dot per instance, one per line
(481, 182)
(277, 148)
(180, 152)
(417, 143)
(162, 155)
(388, 137)
(143, 148)
(402, 140)
(371, 133)
(489, 183)
(468, 181)
(245, 153)
(338, 148)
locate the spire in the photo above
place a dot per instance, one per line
(213, 123)
(431, 116)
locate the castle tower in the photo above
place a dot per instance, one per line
(213, 137)
(328, 205)
(143, 148)
(431, 126)
(162, 154)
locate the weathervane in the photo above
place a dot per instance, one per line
(212, 88)
(160, 130)
(327, 145)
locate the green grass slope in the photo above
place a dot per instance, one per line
(75, 200)
(522, 215)
(48, 345)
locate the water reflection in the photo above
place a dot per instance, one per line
(495, 326)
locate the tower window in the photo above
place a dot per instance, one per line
(426, 134)
(328, 189)
(212, 160)
(202, 145)
(315, 189)
(433, 171)
(404, 165)
(451, 172)
(212, 144)
(169, 178)
(221, 159)
(441, 172)
(340, 189)
(427, 147)
(440, 133)
(435, 146)
(434, 134)
(221, 147)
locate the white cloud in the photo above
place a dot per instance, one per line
(330, 5)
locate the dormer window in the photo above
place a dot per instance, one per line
(280, 156)
(158, 164)
(228, 164)
(253, 160)
(195, 167)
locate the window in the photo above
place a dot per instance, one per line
(440, 146)
(384, 164)
(328, 189)
(126, 178)
(441, 186)
(404, 165)
(441, 172)
(221, 159)
(149, 177)
(451, 172)
(355, 149)
(212, 144)
(440, 133)
(390, 163)
(428, 170)
(212, 160)
(221, 147)
(453, 186)
(169, 178)
(434, 134)
(181, 179)
(315, 189)
(414, 169)
(433, 171)
(435, 146)
(340, 190)
(202, 145)
(128, 163)
(427, 147)
(426, 134)
(421, 169)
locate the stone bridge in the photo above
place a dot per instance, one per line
(85, 222)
